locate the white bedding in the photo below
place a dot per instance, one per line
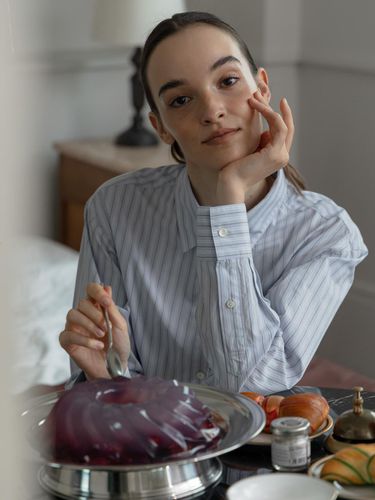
(41, 298)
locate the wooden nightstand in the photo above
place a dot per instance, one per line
(85, 165)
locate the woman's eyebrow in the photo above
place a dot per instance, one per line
(171, 85)
(177, 83)
(224, 60)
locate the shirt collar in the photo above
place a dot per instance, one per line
(259, 217)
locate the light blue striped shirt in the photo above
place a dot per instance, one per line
(217, 295)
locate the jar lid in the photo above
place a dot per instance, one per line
(290, 425)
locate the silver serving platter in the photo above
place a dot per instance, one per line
(175, 479)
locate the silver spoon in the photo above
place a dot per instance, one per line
(114, 365)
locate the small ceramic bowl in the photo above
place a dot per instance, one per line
(281, 486)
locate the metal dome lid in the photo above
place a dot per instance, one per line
(356, 425)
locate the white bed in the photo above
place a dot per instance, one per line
(42, 296)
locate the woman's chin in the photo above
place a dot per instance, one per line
(220, 158)
(227, 157)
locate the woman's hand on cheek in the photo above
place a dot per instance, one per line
(286, 115)
(237, 178)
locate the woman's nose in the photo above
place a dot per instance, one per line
(212, 110)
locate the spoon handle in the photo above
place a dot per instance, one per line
(109, 327)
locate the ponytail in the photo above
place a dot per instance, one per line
(294, 177)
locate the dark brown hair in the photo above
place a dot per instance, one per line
(177, 23)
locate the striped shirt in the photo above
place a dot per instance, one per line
(217, 295)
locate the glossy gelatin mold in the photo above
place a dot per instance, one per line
(128, 422)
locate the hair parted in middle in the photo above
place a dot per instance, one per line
(175, 24)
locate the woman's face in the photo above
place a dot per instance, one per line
(201, 83)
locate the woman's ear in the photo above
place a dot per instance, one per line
(262, 83)
(164, 135)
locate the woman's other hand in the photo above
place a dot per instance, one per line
(238, 178)
(85, 337)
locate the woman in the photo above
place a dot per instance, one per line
(223, 270)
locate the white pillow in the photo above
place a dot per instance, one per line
(41, 297)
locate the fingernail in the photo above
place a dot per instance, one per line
(286, 102)
(100, 332)
(99, 345)
(106, 301)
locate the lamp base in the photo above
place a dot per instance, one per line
(136, 136)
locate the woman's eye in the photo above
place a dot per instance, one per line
(231, 80)
(179, 101)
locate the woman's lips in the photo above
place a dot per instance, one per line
(221, 136)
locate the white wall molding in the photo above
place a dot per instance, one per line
(340, 64)
(115, 58)
(74, 61)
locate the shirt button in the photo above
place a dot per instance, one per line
(230, 304)
(200, 375)
(223, 232)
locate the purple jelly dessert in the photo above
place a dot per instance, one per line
(128, 422)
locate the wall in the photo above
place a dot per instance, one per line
(337, 149)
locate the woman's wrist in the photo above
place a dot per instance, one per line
(230, 192)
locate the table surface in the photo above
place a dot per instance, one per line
(106, 155)
(244, 462)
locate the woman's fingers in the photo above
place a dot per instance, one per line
(97, 293)
(84, 337)
(265, 138)
(76, 319)
(277, 127)
(86, 328)
(93, 313)
(118, 322)
(101, 296)
(273, 118)
(262, 88)
(70, 339)
(115, 316)
(286, 113)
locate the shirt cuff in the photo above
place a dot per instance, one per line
(223, 232)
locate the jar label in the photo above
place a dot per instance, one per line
(289, 454)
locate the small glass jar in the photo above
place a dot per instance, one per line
(290, 447)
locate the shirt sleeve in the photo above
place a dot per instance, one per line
(264, 342)
(98, 264)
